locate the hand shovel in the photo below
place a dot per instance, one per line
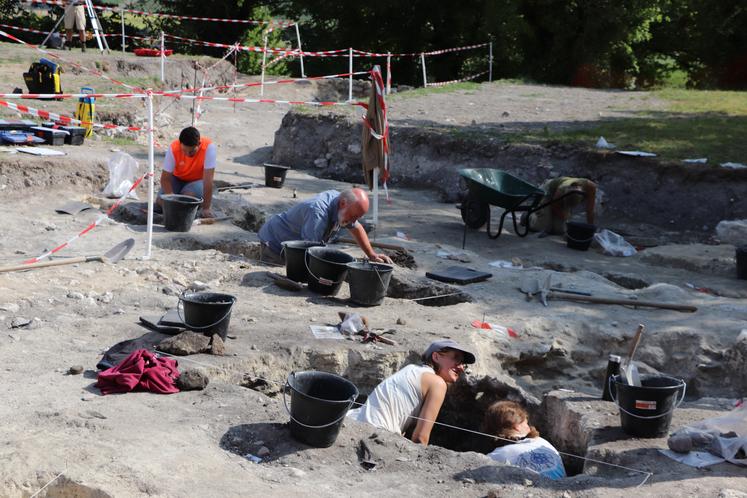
(629, 371)
(111, 256)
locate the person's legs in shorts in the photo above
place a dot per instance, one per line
(80, 25)
(193, 189)
(69, 24)
(267, 255)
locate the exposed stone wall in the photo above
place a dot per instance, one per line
(671, 195)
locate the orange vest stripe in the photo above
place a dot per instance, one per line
(189, 169)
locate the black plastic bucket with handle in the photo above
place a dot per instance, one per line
(207, 312)
(646, 411)
(368, 282)
(179, 211)
(319, 403)
(579, 235)
(275, 175)
(742, 262)
(327, 269)
(295, 258)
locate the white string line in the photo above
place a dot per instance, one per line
(50, 482)
(645, 473)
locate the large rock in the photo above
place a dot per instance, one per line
(186, 343)
(732, 232)
(700, 258)
(192, 379)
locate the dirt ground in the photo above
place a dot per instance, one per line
(195, 443)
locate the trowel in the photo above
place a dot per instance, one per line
(629, 371)
(111, 256)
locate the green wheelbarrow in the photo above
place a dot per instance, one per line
(494, 187)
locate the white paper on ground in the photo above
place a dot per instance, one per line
(731, 165)
(699, 160)
(40, 151)
(325, 332)
(502, 263)
(604, 144)
(636, 153)
(454, 256)
(694, 458)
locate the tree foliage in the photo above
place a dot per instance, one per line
(604, 43)
(251, 62)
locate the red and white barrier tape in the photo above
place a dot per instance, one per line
(168, 93)
(343, 52)
(282, 24)
(276, 60)
(89, 227)
(175, 93)
(444, 83)
(61, 118)
(72, 95)
(418, 54)
(75, 64)
(28, 30)
(262, 101)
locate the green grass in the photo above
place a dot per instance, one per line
(118, 140)
(467, 86)
(703, 101)
(143, 82)
(13, 59)
(693, 123)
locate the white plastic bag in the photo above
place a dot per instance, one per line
(352, 324)
(613, 244)
(724, 436)
(122, 173)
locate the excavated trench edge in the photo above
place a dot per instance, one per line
(467, 400)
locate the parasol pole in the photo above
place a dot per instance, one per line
(376, 197)
(350, 76)
(422, 63)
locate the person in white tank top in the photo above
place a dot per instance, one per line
(414, 394)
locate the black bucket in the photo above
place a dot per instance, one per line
(319, 403)
(207, 312)
(179, 211)
(327, 269)
(742, 262)
(646, 411)
(275, 175)
(295, 259)
(579, 235)
(368, 282)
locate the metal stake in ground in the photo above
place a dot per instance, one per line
(151, 167)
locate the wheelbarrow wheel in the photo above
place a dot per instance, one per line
(475, 213)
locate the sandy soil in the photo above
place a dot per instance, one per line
(194, 443)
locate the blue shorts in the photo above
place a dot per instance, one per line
(195, 188)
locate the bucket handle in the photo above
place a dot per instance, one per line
(321, 244)
(674, 405)
(579, 241)
(285, 403)
(376, 270)
(322, 281)
(205, 327)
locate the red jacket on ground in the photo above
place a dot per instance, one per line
(140, 371)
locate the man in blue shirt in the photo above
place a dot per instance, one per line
(319, 219)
